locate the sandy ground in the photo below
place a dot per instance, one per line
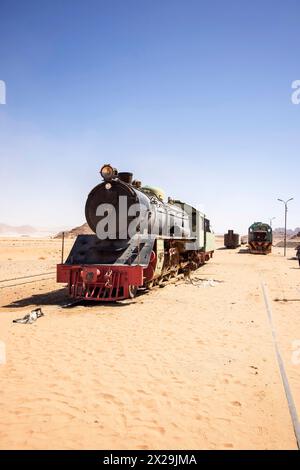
(182, 367)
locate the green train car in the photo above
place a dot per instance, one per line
(260, 238)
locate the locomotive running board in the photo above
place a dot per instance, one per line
(138, 251)
(89, 249)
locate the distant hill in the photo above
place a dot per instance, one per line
(293, 237)
(297, 235)
(293, 242)
(20, 229)
(279, 232)
(7, 230)
(83, 229)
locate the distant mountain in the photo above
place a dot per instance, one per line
(279, 232)
(20, 229)
(83, 229)
(7, 230)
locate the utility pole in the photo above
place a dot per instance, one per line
(285, 220)
(271, 220)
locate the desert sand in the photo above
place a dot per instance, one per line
(189, 366)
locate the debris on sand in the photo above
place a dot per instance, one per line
(30, 317)
(199, 282)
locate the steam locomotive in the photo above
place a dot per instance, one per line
(260, 238)
(139, 240)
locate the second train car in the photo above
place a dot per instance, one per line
(260, 238)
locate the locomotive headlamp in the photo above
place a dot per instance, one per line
(107, 172)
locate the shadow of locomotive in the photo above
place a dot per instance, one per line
(56, 297)
(60, 298)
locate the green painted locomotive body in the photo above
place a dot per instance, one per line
(260, 238)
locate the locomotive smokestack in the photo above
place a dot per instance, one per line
(126, 177)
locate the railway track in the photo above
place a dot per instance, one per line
(6, 283)
(284, 377)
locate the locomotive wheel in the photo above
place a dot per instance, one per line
(132, 290)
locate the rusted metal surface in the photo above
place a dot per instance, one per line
(260, 247)
(231, 239)
(100, 282)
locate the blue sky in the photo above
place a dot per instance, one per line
(192, 96)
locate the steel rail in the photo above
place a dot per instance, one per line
(26, 277)
(284, 378)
